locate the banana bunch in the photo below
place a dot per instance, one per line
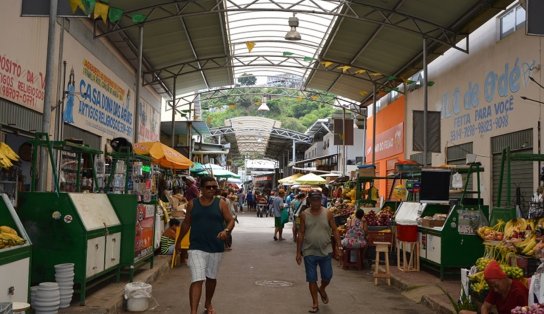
(7, 156)
(479, 286)
(515, 227)
(9, 237)
(526, 247)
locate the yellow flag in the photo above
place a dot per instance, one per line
(360, 71)
(250, 45)
(232, 106)
(344, 68)
(363, 93)
(101, 10)
(326, 63)
(74, 4)
(300, 98)
(376, 74)
(314, 97)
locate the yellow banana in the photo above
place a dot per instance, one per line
(7, 229)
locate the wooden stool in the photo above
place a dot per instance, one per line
(382, 247)
(404, 263)
(346, 257)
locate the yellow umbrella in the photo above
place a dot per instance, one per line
(310, 179)
(290, 179)
(163, 155)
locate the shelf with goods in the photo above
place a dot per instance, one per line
(444, 222)
(130, 182)
(15, 254)
(71, 227)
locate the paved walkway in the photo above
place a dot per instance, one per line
(260, 275)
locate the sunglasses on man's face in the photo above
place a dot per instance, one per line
(211, 187)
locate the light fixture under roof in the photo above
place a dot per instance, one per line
(293, 34)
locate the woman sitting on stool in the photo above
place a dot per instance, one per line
(355, 237)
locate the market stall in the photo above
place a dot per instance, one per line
(79, 228)
(445, 220)
(15, 255)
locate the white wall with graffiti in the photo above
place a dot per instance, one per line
(479, 94)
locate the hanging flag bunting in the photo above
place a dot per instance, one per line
(287, 53)
(101, 11)
(430, 83)
(89, 6)
(300, 98)
(391, 78)
(376, 74)
(138, 18)
(250, 45)
(308, 59)
(74, 4)
(314, 97)
(326, 64)
(360, 71)
(232, 106)
(363, 93)
(115, 14)
(344, 68)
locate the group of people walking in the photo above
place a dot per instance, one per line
(211, 222)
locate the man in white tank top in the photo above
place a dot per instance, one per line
(314, 242)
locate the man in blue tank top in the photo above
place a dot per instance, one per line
(317, 226)
(210, 222)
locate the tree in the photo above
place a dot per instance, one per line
(247, 79)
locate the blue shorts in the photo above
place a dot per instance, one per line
(325, 267)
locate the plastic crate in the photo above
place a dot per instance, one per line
(407, 233)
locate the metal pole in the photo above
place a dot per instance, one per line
(374, 125)
(138, 85)
(174, 113)
(190, 132)
(425, 101)
(294, 153)
(343, 142)
(48, 96)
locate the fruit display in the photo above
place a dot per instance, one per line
(9, 237)
(382, 218)
(495, 233)
(7, 156)
(342, 209)
(528, 309)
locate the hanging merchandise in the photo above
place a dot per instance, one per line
(457, 181)
(7, 156)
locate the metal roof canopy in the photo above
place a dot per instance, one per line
(369, 45)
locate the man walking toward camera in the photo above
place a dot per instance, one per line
(314, 243)
(207, 217)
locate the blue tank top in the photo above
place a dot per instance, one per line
(206, 223)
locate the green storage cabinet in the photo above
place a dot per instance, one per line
(454, 245)
(137, 222)
(79, 228)
(15, 261)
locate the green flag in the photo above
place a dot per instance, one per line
(308, 59)
(138, 18)
(89, 6)
(115, 14)
(287, 53)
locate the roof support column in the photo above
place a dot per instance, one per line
(138, 84)
(294, 153)
(374, 124)
(425, 101)
(48, 96)
(174, 113)
(344, 162)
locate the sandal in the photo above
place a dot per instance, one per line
(324, 296)
(314, 309)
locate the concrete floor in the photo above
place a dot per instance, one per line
(260, 275)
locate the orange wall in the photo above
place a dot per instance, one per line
(387, 118)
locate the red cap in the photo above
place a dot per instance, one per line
(493, 271)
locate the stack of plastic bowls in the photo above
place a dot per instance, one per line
(33, 294)
(64, 275)
(47, 298)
